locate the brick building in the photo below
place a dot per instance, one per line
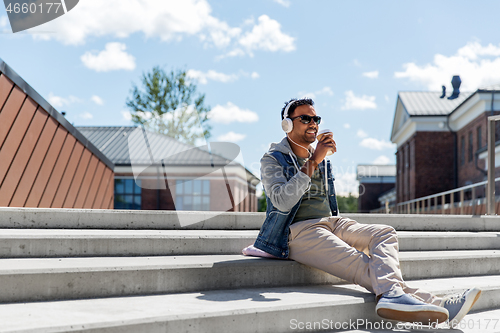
(374, 181)
(441, 142)
(44, 161)
(154, 171)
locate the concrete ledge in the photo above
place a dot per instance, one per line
(413, 222)
(244, 310)
(47, 243)
(24, 280)
(53, 218)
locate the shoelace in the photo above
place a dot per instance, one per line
(455, 298)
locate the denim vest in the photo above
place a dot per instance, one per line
(273, 235)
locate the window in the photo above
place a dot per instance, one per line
(462, 150)
(479, 138)
(471, 155)
(128, 194)
(192, 194)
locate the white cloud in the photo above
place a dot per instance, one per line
(477, 66)
(375, 144)
(347, 126)
(3, 21)
(353, 102)
(97, 100)
(127, 115)
(284, 3)
(386, 98)
(346, 183)
(231, 137)
(203, 77)
(361, 134)
(232, 113)
(267, 36)
(382, 159)
(167, 20)
(371, 75)
(325, 91)
(86, 115)
(59, 102)
(112, 58)
(233, 53)
(356, 63)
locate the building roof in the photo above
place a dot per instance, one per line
(115, 144)
(428, 103)
(494, 87)
(118, 143)
(375, 170)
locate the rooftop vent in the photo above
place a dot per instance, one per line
(443, 95)
(455, 82)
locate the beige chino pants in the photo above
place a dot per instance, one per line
(364, 254)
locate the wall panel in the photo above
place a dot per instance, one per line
(46, 168)
(76, 184)
(68, 176)
(22, 157)
(34, 164)
(87, 181)
(15, 136)
(57, 172)
(6, 86)
(10, 111)
(101, 191)
(96, 181)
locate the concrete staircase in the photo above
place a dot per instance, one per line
(122, 271)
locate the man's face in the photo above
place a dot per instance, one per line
(303, 133)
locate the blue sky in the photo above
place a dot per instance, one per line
(248, 57)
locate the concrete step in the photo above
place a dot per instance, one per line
(46, 243)
(54, 218)
(279, 309)
(25, 280)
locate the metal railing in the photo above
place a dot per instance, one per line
(438, 202)
(424, 204)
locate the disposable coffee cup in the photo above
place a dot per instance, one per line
(320, 135)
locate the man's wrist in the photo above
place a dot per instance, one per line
(309, 167)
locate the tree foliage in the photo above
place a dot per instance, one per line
(347, 204)
(167, 103)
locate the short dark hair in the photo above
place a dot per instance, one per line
(296, 102)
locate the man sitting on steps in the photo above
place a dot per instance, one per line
(303, 223)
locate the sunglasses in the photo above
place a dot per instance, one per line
(305, 119)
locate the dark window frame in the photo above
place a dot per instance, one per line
(462, 150)
(128, 194)
(479, 138)
(471, 147)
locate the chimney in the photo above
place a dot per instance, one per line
(443, 95)
(455, 82)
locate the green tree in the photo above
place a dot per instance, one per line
(347, 204)
(262, 203)
(167, 103)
